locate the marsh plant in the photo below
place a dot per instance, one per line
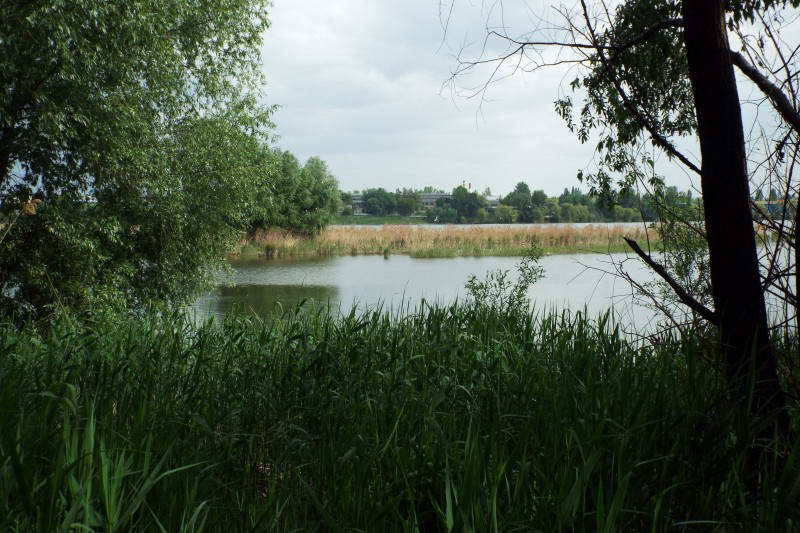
(503, 291)
(446, 418)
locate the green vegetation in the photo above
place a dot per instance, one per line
(301, 199)
(447, 418)
(118, 130)
(523, 205)
(370, 220)
(134, 153)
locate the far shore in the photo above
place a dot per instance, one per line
(428, 242)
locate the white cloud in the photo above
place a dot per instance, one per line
(359, 84)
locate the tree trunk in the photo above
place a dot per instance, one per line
(736, 286)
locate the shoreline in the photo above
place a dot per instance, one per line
(421, 242)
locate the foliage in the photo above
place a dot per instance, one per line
(505, 214)
(126, 121)
(407, 204)
(300, 199)
(684, 254)
(125, 247)
(447, 418)
(466, 203)
(654, 76)
(522, 201)
(379, 202)
(442, 215)
(498, 292)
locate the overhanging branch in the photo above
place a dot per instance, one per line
(644, 36)
(684, 296)
(779, 100)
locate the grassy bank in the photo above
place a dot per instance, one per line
(458, 418)
(443, 242)
(368, 220)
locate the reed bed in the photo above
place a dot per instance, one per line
(445, 241)
(459, 418)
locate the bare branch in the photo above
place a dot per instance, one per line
(772, 91)
(658, 139)
(684, 296)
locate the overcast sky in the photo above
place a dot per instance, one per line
(359, 84)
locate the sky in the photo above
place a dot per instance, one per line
(362, 84)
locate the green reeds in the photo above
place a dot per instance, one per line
(457, 418)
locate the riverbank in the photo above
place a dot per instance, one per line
(445, 241)
(458, 418)
(372, 220)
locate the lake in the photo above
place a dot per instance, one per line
(571, 281)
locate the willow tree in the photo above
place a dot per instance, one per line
(651, 72)
(130, 142)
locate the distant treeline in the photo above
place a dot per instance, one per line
(521, 205)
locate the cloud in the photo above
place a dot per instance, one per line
(359, 84)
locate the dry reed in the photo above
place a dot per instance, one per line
(442, 241)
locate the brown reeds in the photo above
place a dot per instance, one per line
(443, 241)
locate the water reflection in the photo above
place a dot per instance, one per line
(571, 281)
(261, 300)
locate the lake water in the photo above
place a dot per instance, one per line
(571, 281)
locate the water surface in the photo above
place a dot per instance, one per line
(263, 286)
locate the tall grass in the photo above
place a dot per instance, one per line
(458, 418)
(443, 242)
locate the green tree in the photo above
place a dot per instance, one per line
(466, 203)
(520, 199)
(652, 72)
(379, 202)
(317, 197)
(505, 214)
(135, 124)
(538, 198)
(443, 215)
(407, 204)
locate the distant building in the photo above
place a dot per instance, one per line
(428, 199)
(357, 204)
(492, 202)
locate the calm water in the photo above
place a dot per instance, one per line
(571, 281)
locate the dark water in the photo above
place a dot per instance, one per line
(262, 286)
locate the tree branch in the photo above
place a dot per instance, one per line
(657, 138)
(779, 100)
(644, 36)
(684, 296)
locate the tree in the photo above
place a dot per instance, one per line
(443, 215)
(136, 127)
(379, 202)
(466, 203)
(407, 203)
(740, 308)
(520, 199)
(538, 198)
(655, 71)
(505, 214)
(318, 197)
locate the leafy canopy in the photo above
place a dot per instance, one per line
(135, 127)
